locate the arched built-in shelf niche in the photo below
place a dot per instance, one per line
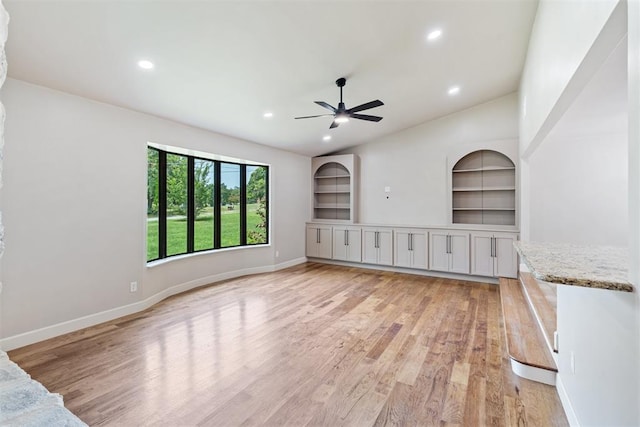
(484, 189)
(334, 188)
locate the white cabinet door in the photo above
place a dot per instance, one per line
(459, 252)
(439, 250)
(401, 248)
(312, 242)
(369, 247)
(339, 243)
(347, 244)
(385, 247)
(505, 256)
(482, 254)
(410, 248)
(324, 245)
(319, 241)
(493, 255)
(377, 246)
(449, 251)
(419, 247)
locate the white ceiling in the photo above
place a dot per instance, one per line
(219, 65)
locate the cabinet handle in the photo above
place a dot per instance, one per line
(448, 243)
(411, 237)
(494, 247)
(346, 238)
(377, 237)
(317, 235)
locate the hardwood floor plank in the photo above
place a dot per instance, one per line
(310, 345)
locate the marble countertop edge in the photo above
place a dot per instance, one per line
(575, 265)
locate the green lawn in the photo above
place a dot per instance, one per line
(203, 238)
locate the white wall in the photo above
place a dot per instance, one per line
(574, 147)
(554, 70)
(414, 162)
(578, 191)
(634, 163)
(74, 208)
(599, 327)
(578, 174)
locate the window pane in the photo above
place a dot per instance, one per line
(204, 193)
(152, 204)
(256, 204)
(230, 207)
(176, 204)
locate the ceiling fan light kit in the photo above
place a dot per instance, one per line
(343, 114)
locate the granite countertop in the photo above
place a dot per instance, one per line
(602, 267)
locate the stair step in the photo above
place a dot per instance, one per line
(526, 343)
(542, 297)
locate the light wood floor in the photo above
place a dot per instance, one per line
(310, 345)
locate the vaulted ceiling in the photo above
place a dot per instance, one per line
(220, 65)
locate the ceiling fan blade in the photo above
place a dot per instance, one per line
(372, 104)
(334, 124)
(366, 117)
(327, 106)
(310, 117)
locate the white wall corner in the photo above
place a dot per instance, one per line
(566, 402)
(4, 34)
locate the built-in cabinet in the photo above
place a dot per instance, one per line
(411, 248)
(377, 246)
(449, 251)
(347, 243)
(334, 187)
(319, 241)
(483, 185)
(493, 254)
(476, 252)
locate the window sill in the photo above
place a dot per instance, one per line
(164, 261)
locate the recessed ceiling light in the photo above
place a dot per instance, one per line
(433, 35)
(145, 64)
(454, 90)
(267, 115)
(326, 138)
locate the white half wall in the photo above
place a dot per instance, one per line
(75, 215)
(597, 330)
(633, 75)
(414, 162)
(579, 189)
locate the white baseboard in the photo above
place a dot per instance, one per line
(566, 403)
(37, 335)
(532, 373)
(418, 272)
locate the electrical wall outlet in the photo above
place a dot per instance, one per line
(277, 254)
(133, 287)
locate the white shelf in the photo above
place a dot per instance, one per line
(485, 189)
(332, 192)
(480, 181)
(332, 206)
(484, 209)
(334, 187)
(331, 176)
(486, 169)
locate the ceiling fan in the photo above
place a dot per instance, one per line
(342, 114)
